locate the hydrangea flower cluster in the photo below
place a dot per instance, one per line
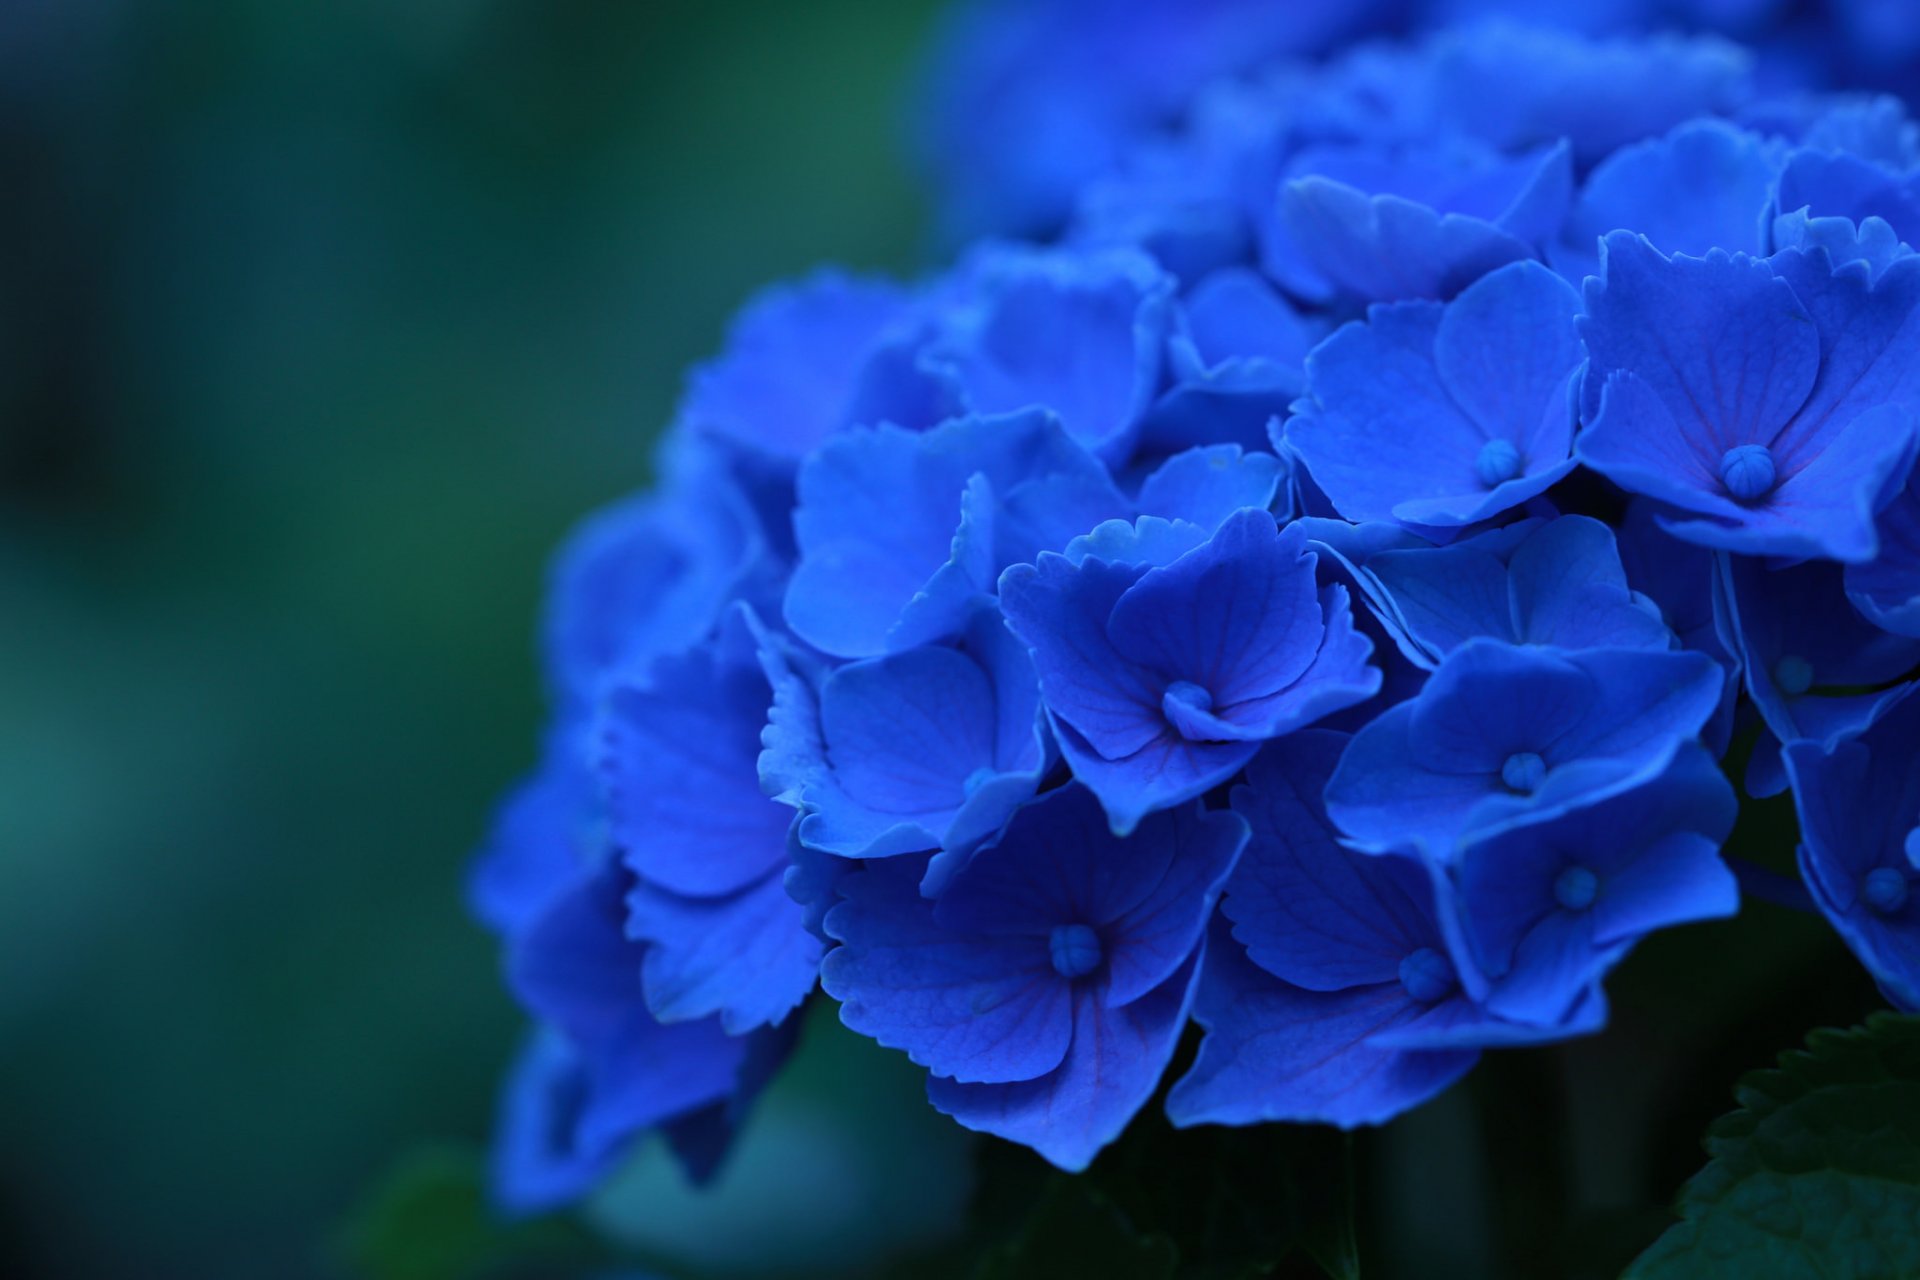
(1309, 599)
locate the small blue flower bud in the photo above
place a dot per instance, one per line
(1075, 949)
(1523, 772)
(1426, 975)
(1793, 674)
(1497, 463)
(1186, 691)
(1748, 471)
(1912, 847)
(1884, 890)
(1575, 888)
(979, 778)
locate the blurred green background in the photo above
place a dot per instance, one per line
(319, 324)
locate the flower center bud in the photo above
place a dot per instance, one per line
(1748, 471)
(1426, 975)
(1793, 675)
(1523, 772)
(1497, 462)
(1575, 888)
(1189, 693)
(1912, 847)
(978, 778)
(1075, 950)
(1884, 890)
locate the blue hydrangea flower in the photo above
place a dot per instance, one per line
(901, 534)
(1766, 404)
(1554, 582)
(792, 370)
(1336, 998)
(1844, 185)
(1436, 416)
(1030, 99)
(1046, 988)
(1887, 589)
(929, 748)
(678, 750)
(1807, 657)
(648, 576)
(1872, 126)
(1545, 908)
(1501, 731)
(1870, 241)
(547, 834)
(1517, 86)
(1080, 333)
(538, 1160)
(1859, 806)
(1705, 185)
(1382, 225)
(1236, 357)
(606, 1070)
(1204, 486)
(1162, 680)
(1679, 578)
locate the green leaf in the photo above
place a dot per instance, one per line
(1077, 1231)
(429, 1219)
(1817, 1174)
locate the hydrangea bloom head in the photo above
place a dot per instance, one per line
(987, 660)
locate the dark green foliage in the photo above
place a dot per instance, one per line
(1816, 1175)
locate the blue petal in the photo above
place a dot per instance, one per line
(1078, 333)
(652, 1073)
(1387, 248)
(1400, 410)
(1706, 185)
(1859, 801)
(1431, 771)
(1870, 241)
(746, 957)
(1781, 620)
(905, 732)
(1236, 356)
(646, 577)
(1279, 1052)
(1147, 896)
(1145, 542)
(1815, 378)
(1307, 910)
(544, 838)
(793, 364)
(879, 521)
(537, 1164)
(1720, 344)
(1060, 610)
(678, 764)
(1561, 586)
(1110, 1070)
(575, 968)
(1167, 771)
(1206, 484)
(1650, 859)
(979, 1007)
(1887, 590)
(1828, 184)
(1239, 617)
(1517, 86)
